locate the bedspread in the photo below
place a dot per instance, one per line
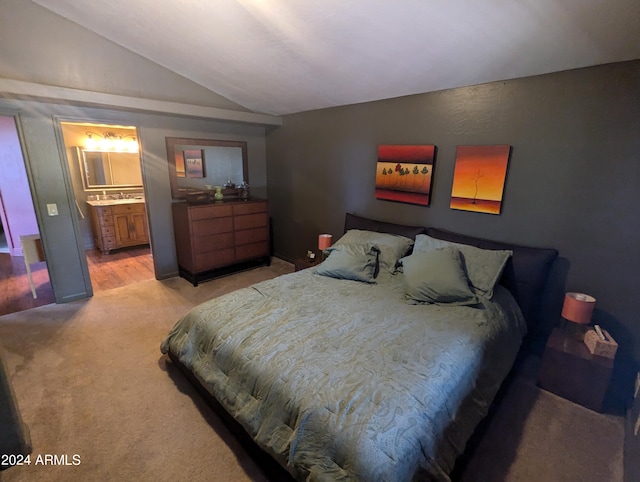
(342, 380)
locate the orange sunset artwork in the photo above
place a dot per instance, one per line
(478, 178)
(404, 173)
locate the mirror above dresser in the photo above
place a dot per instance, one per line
(197, 165)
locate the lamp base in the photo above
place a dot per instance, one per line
(573, 330)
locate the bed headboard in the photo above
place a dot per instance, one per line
(351, 221)
(525, 274)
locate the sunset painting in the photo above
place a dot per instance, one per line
(479, 177)
(404, 173)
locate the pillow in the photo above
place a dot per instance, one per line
(437, 276)
(357, 262)
(392, 247)
(525, 274)
(482, 266)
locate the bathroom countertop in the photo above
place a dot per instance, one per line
(113, 202)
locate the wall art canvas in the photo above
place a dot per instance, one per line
(180, 172)
(194, 162)
(404, 173)
(479, 178)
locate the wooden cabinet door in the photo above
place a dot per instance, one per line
(138, 222)
(125, 234)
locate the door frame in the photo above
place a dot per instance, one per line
(8, 112)
(64, 160)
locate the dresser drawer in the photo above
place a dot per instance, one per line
(253, 250)
(210, 212)
(109, 242)
(128, 208)
(206, 227)
(206, 244)
(249, 208)
(249, 236)
(108, 231)
(214, 259)
(106, 220)
(250, 221)
(102, 210)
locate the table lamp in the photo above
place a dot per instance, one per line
(324, 242)
(577, 308)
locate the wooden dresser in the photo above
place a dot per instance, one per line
(220, 237)
(119, 225)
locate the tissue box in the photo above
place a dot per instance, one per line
(599, 347)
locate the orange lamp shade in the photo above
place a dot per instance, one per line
(324, 241)
(578, 307)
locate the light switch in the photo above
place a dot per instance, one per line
(52, 209)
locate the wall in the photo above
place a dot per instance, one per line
(42, 47)
(18, 216)
(572, 181)
(51, 180)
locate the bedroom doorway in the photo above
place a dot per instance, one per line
(24, 275)
(105, 169)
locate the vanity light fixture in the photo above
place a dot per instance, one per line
(110, 141)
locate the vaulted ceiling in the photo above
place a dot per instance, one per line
(286, 56)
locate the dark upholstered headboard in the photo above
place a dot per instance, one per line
(525, 274)
(352, 221)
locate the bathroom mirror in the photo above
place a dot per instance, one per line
(101, 170)
(197, 164)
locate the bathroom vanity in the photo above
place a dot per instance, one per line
(118, 223)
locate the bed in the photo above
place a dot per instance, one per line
(359, 369)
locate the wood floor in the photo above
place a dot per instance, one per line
(120, 268)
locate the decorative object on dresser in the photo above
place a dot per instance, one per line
(213, 239)
(118, 224)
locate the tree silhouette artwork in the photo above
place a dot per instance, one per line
(475, 194)
(479, 178)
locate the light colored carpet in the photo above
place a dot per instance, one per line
(90, 380)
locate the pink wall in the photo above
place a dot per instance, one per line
(16, 206)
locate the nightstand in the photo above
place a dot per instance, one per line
(569, 370)
(304, 263)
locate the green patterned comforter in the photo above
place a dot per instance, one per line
(342, 380)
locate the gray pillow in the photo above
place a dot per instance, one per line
(437, 277)
(483, 267)
(357, 262)
(392, 246)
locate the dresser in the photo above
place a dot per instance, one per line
(220, 237)
(118, 224)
